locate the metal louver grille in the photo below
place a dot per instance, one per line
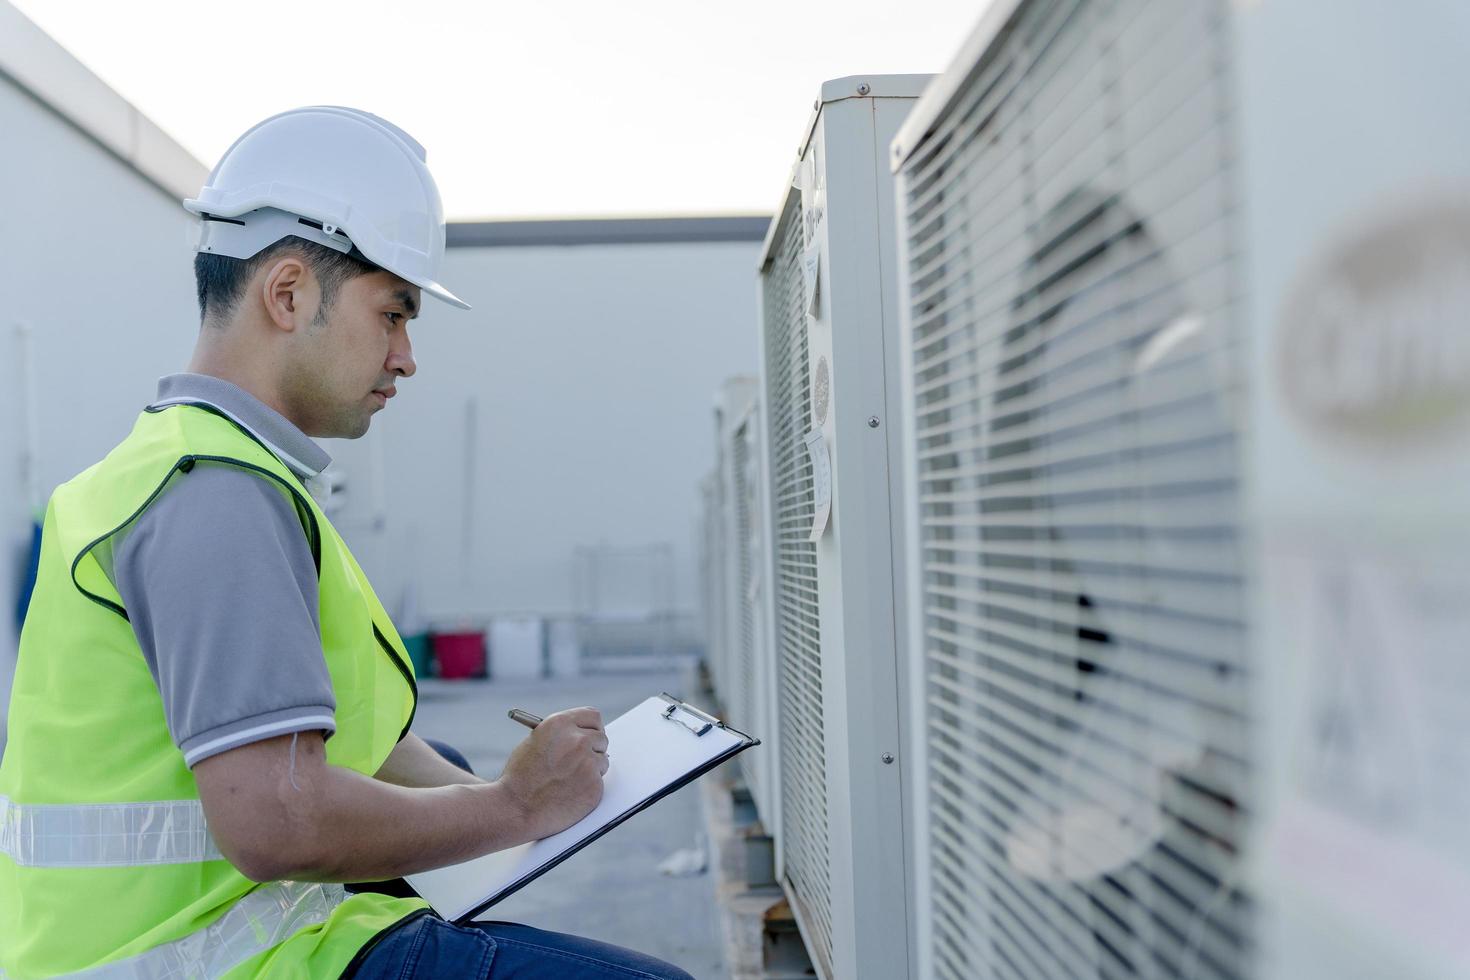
(1068, 223)
(803, 776)
(745, 530)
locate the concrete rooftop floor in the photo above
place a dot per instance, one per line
(612, 889)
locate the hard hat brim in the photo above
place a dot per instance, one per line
(440, 293)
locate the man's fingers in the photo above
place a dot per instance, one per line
(584, 717)
(599, 743)
(606, 761)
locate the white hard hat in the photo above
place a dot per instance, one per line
(340, 177)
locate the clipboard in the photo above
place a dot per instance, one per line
(654, 749)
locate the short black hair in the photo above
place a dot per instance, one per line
(221, 280)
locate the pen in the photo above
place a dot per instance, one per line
(524, 717)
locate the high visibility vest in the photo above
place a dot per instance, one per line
(106, 862)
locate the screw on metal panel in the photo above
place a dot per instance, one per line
(872, 421)
(888, 758)
(864, 89)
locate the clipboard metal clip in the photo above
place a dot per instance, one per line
(676, 712)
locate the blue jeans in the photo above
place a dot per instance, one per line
(426, 946)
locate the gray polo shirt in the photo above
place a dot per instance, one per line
(219, 583)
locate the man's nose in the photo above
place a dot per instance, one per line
(400, 356)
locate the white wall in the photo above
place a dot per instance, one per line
(94, 257)
(593, 370)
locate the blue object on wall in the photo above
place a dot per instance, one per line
(28, 579)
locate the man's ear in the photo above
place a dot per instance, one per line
(290, 293)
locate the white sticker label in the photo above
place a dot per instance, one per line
(816, 447)
(811, 264)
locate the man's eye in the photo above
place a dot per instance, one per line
(393, 318)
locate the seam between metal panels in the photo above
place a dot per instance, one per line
(887, 243)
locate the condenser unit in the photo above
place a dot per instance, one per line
(720, 543)
(1186, 384)
(712, 575)
(744, 676)
(829, 346)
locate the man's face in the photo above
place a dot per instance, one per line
(346, 364)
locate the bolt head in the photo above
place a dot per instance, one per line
(888, 758)
(873, 422)
(864, 89)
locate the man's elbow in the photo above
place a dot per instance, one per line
(257, 865)
(282, 836)
(270, 816)
(295, 856)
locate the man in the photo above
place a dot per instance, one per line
(209, 726)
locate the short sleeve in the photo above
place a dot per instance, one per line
(220, 586)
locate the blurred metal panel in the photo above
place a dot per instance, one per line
(1355, 166)
(1079, 613)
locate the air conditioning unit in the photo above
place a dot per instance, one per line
(742, 670)
(1186, 386)
(829, 345)
(718, 542)
(708, 547)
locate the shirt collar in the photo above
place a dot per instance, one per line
(289, 444)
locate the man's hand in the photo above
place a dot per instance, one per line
(556, 773)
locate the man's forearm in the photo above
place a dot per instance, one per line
(327, 823)
(414, 762)
(368, 830)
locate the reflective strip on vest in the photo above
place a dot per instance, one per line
(105, 835)
(262, 919)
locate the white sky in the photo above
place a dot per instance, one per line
(527, 110)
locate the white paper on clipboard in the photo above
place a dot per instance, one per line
(816, 447)
(649, 751)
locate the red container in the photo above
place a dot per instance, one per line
(460, 655)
